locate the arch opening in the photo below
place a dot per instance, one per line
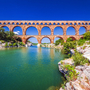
(58, 31)
(6, 28)
(45, 31)
(58, 40)
(71, 39)
(82, 30)
(31, 31)
(70, 31)
(31, 40)
(45, 40)
(17, 30)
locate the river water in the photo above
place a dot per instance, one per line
(30, 68)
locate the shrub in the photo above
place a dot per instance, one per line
(79, 59)
(2, 41)
(57, 42)
(71, 72)
(81, 41)
(69, 39)
(84, 47)
(10, 44)
(86, 35)
(22, 44)
(68, 46)
(14, 44)
(6, 44)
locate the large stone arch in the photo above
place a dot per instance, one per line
(71, 27)
(30, 37)
(30, 27)
(57, 27)
(20, 29)
(47, 27)
(59, 37)
(16, 26)
(83, 27)
(46, 37)
(5, 26)
(74, 38)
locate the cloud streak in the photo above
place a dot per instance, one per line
(17, 32)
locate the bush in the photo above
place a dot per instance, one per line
(79, 59)
(2, 41)
(86, 35)
(57, 42)
(10, 44)
(6, 44)
(71, 72)
(14, 44)
(81, 42)
(21, 43)
(69, 39)
(68, 46)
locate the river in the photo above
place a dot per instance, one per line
(30, 68)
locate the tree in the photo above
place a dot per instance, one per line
(86, 35)
(57, 42)
(2, 33)
(69, 39)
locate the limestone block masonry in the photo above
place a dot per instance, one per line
(11, 24)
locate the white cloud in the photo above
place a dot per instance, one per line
(17, 32)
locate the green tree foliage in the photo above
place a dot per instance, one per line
(10, 44)
(68, 46)
(71, 74)
(79, 59)
(14, 44)
(81, 41)
(57, 42)
(86, 35)
(2, 33)
(69, 39)
(6, 44)
(21, 43)
(8, 36)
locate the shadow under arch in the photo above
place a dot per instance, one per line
(70, 30)
(45, 30)
(58, 30)
(82, 30)
(31, 29)
(73, 38)
(17, 30)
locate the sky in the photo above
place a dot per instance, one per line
(45, 10)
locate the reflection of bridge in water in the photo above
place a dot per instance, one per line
(51, 24)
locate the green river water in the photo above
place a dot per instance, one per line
(30, 68)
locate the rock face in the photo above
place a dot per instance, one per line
(29, 44)
(83, 80)
(85, 50)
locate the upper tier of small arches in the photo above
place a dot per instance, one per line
(45, 23)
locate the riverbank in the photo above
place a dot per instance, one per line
(82, 80)
(52, 46)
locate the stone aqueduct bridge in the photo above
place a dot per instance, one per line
(51, 24)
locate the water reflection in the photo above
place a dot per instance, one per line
(52, 53)
(24, 50)
(39, 54)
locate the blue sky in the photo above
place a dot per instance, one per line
(45, 10)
